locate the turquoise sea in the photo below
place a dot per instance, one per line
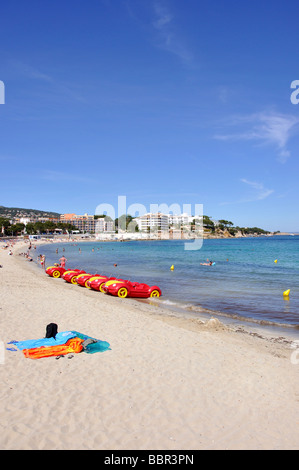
(245, 282)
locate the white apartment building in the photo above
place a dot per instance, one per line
(26, 220)
(181, 219)
(101, 225)
(150, 221)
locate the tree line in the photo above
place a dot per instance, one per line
(229, 226)
(32, 228)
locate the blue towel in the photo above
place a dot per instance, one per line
(98, 346)
(61, 338)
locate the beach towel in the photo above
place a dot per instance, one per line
(92, 345)
(61, 338)
(73, 345)
(45, 347)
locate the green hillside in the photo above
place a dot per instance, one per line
(11, 212)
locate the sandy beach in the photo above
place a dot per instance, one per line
(166, 383)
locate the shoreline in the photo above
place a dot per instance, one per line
(120, 237)
(167, 382)
(266, 329)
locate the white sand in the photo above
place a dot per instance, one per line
(165, 384)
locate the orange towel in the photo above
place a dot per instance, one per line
(73, 345)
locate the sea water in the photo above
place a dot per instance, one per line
(245, 282)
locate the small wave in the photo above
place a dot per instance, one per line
(234, 316)
(198, 309)
(176, 303)
(185, 306)
(168, 302)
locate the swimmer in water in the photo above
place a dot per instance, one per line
(207, 264)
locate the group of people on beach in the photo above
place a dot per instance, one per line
(27, 254)
(8, 246)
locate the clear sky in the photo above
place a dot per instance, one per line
(162, 101)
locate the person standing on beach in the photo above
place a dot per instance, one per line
(62, 261)
(43, 261)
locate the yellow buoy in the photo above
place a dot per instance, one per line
(172, 268)
(287, 293)
(275, 261)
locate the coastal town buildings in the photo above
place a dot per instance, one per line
(166, 222)
(32, 219)
(158, 224)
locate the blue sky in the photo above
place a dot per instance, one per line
(161, 101)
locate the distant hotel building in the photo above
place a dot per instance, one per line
(84, 223)
(148, 222)
(102, 225)
(87, 223)
(181, 219)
